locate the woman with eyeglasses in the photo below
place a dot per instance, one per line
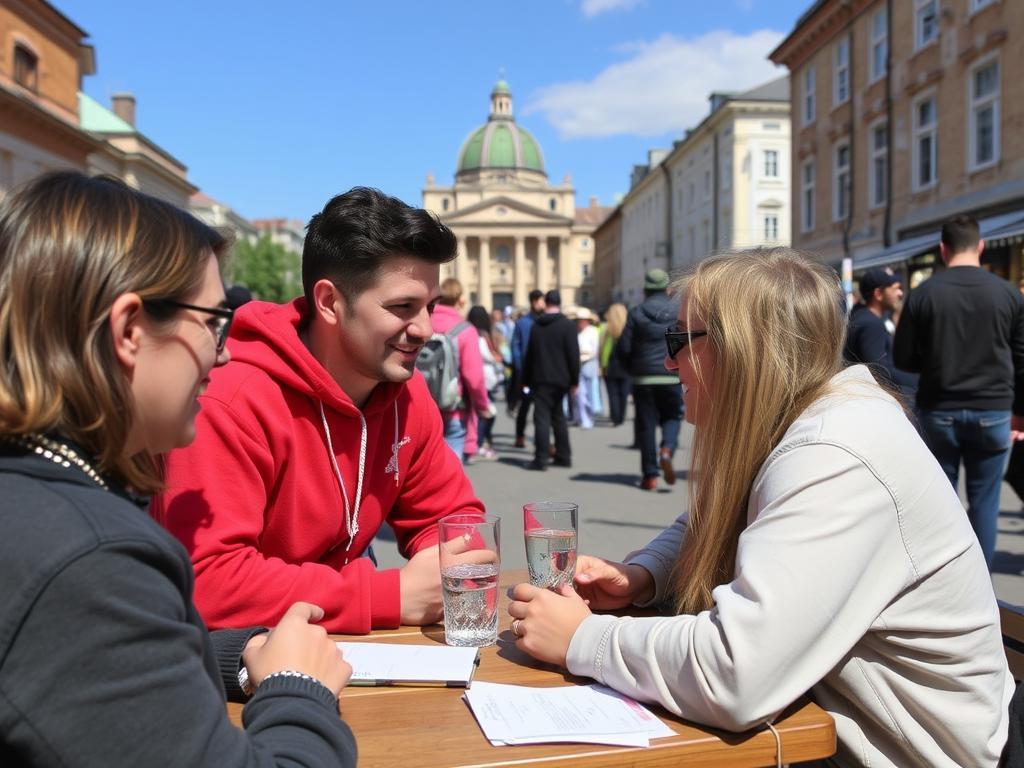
(823, 552)
(111, 318)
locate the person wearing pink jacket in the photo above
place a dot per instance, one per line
(460, 425)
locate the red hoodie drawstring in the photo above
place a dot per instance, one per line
(351, 519)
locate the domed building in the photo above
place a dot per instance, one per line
(516, 230)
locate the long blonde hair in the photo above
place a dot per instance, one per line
(615, 320)
(69, 246)
(776, 326)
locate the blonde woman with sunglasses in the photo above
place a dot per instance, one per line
(824, 551)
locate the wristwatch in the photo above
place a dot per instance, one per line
(243, 681)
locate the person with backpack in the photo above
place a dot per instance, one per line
(466, 397)
(319, 431)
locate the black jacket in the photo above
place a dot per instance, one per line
(868, 341)
(642, 344)
(104, 659)
(553, 354)
(963, 331)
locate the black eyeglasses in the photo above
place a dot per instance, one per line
(676, 339)
(224, 316)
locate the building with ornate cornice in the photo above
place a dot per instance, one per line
(43, 58)
(516, 230)
(901, 121)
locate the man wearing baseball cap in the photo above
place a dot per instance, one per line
(868, 340)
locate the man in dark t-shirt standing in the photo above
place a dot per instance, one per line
(963, 331)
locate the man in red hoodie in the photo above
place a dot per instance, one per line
(319, 431)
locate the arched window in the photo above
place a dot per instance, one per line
(552, 204)
(444, 204)
(26, 67)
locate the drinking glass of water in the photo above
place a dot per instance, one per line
(470, 554)
(550, 531)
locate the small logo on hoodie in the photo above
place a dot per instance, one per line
(392, 467)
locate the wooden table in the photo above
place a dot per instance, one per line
(433, 727)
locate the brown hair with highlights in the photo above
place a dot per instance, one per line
(70, 244)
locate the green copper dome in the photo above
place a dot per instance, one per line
(500, 143)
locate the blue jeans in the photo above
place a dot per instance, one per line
(454, 432)
(657, 404)
(982, 440)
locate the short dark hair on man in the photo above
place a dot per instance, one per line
(553, 298)
(535, 295)
(960, 233)
(357, 232)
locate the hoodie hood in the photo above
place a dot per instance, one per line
(267, 336)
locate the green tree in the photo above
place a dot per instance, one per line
(269, 270)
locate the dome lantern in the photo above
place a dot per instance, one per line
(500, 143)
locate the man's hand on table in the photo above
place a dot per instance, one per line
(297, 645)
(545, 621)
(420, 588)
(607, 585)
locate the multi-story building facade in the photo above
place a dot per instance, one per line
(222, 216)
(288, 233)
(43, 58)
(729, 179)
(607, 258)
(125, 152)
(516, 231)
(905, 114)
(725, 185)
(645, 226)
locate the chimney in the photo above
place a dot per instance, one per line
(124, 107)
(593, 201)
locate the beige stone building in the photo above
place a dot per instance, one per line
(607, 258)
(43, 58)
(725, 185)
(125, 152)
(903, 121)
(290, 234)
(223, 216)
(516, 230)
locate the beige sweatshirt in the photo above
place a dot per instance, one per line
(858, 580)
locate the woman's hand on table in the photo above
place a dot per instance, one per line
(545, 621)
(607, 585)
(297, 645)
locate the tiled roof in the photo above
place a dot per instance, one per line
(593, 215)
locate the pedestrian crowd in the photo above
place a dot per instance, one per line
(190, 491)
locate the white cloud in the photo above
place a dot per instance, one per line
(745, 5)
(662, 86)
(593, 8)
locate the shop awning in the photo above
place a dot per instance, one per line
(994, 231)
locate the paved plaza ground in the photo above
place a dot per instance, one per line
(616, 517)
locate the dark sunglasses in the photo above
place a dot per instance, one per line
(224, 316)
(676, 339)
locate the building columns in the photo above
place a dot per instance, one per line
(519, 293)
(542, 263)
(484, 297)
(462, 263)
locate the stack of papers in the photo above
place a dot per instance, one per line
(397, 664)
(589, 714)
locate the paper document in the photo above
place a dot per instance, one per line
(398, 664)
(590, 714)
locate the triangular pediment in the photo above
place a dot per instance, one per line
(504, 210)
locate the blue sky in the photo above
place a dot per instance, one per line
(275, 107)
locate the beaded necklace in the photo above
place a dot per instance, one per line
(58, 453)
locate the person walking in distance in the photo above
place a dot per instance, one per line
(589, 340)
(520, 341)
(551, 371)
(657, 396)
(460, 423)
(868, 339)
(963, 330)
(616, 377)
